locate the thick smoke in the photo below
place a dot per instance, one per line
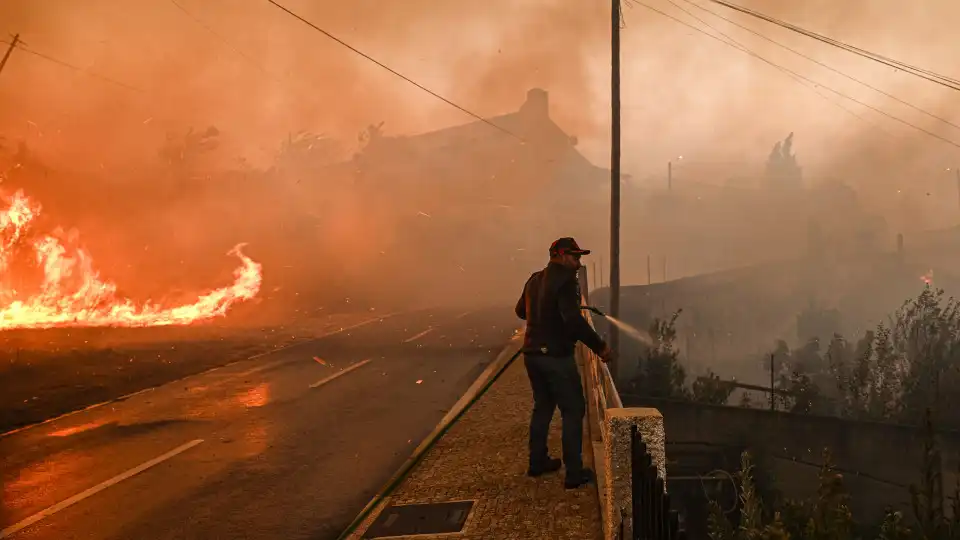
(260, 76)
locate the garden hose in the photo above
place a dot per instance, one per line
(594, 310)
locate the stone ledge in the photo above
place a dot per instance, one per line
(617, 494)
(483, 457)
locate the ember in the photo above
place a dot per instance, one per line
(71, 292)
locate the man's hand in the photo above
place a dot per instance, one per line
(607, 354)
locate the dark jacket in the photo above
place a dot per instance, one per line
(550, 304)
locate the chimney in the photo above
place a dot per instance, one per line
(537, 104)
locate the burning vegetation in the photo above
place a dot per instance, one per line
(62, 287)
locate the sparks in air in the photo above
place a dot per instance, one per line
(71, 292)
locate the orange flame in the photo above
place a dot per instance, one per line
(73, 294)
(927, 278)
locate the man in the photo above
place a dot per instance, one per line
(550, 304)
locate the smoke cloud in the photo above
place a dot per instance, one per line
(146, 73)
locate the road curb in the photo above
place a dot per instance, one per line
(512, 347)
(378, 504)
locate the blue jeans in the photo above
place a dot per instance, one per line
(555, 382)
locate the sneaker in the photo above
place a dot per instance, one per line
(552, 465)
(585, 477)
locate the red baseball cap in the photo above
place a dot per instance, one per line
(567, 246)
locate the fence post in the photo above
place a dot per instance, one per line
(773, 396)
(651, 517)
(618, 449)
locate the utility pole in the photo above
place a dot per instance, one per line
(664, 268)
(13, 45)
(615, 177)
(669, 175)
(956, 171)
(649, 277)
(773, 399)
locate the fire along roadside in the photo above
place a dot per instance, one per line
(245, 373)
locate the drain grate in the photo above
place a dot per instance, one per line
(411, 519)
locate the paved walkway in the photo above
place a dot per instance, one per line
(484, 457)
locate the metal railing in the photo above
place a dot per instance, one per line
(600, 376)
(653, 519)
(607, 395)
(638, 509)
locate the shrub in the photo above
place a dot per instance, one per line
(826, 515)
(711, 389)
(893, 373)
(660, 374)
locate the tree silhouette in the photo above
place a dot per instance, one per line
(782, 167)
(182, 154)
(370, 135)
(306, 151)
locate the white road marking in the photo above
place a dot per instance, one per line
(343, 371)
(280, 362)
(420, 335)
(43, 514)
(462, 315)
(202, 373)
(264, 367)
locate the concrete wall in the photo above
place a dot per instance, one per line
(879, 461)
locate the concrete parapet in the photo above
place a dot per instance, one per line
(610, 434)
(617, 496)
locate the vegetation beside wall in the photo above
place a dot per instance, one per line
(826, 515)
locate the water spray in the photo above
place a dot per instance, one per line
(627, 329)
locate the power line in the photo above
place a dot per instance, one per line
(803, 81)
(74, 67)
(932, 73)
(223, 40)
(6, 56)
(899, 65)
(931, 76)
(884, 113)
(795, 74)
(821, 64)
(799, 78)
(896, 64)
(393, 71)
(218, 36)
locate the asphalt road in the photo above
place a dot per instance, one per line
(290, 445)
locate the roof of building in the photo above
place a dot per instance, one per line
(529, 129)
